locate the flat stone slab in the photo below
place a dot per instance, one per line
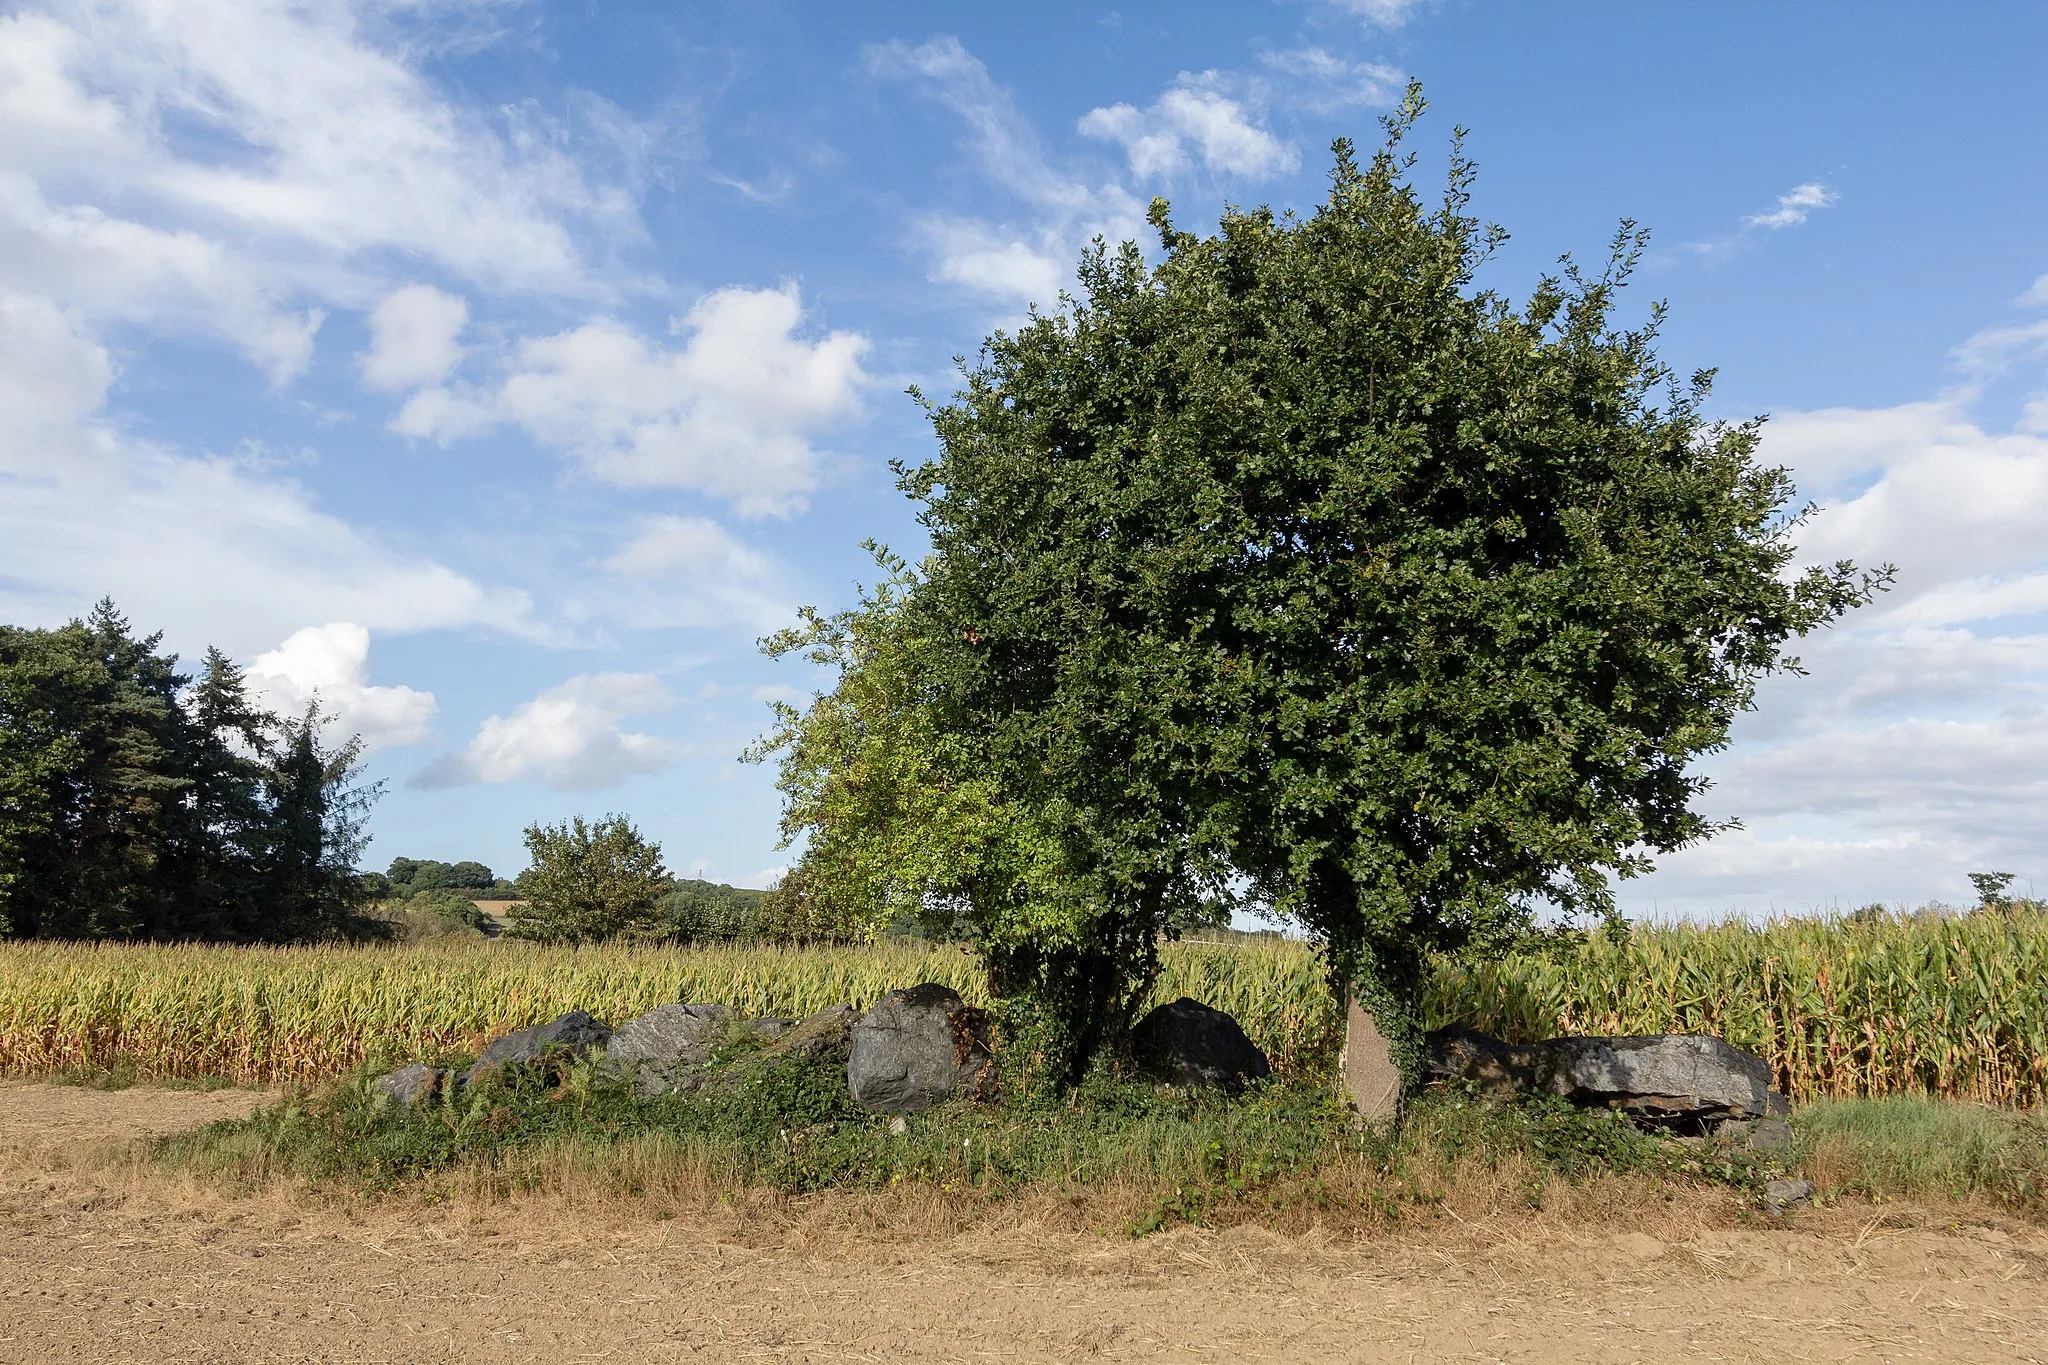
(1688, 1080)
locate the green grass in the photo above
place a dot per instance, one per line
(1917, 1146)
(1155, 1155)
(1172, 1155)
(790, 1126)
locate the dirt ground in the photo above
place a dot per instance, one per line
(105, 1263)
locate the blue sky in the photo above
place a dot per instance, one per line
(500, 371)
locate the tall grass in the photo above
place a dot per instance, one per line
(1954, 1006)
(1908, 1146)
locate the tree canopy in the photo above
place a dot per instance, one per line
(137, 802)
(590, 881)
(1298, 569)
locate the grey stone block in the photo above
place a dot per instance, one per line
(665, 1049)
(542, 1048)
(917, 1048)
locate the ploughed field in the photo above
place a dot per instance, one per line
(1949, 1005)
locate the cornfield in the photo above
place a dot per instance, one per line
(1953, 1005)
(1956, 1006)
(276, 1015)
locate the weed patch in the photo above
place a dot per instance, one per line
(1917, 1146)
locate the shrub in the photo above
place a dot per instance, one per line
(590, 882)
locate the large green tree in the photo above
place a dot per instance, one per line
(137, 802)
(589, 882)
(1301, 568)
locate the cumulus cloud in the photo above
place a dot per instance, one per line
(985, 259)
(205, 547)
(1916, 751)
(230, 168)
(1196, 117)
(729, 413)
(331, 664)
(1794, 206)
(415, 338)
(570, 737)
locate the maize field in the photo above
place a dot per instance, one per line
(1949, 1005)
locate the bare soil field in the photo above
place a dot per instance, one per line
(106, 1261)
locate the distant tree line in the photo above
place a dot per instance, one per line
(599, 880)
(410, 877)
(138, 801)
(588, 882)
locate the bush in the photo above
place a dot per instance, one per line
(711, 912)
(437, 914)
(590, 882)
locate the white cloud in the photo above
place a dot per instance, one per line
(569, 736)
(729, 413)
(1995, 350)
(691, 572)
(979, 257)
(1214, 119)
(2036, 296)
(1381, 13)
(331, 663)
(227, 167)
(52, 377)
(204, 547)
(1024, 264)
(1004, 142)
(1317, 80)
(1794, 206)
(415, 338)
(1916, 751)
(1196, 116)
(111, 267)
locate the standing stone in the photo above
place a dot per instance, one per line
(1188, 1043)
(665, 1049)
(916, 1048)
(1367, 1076)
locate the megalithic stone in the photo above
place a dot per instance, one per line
(1367, 1076)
